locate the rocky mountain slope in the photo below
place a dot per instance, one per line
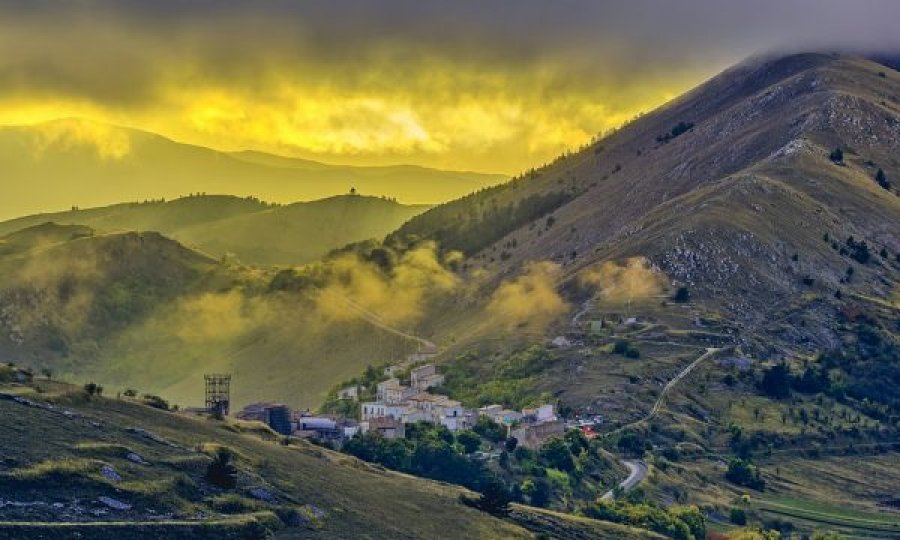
(731, 190)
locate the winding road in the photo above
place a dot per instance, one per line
(638, 469)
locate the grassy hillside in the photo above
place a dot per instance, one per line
(140, 310)
(169, 481)
(256, 232)
(155, 462)
(74, 162)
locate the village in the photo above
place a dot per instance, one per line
(398, 405)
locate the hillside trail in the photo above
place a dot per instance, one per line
(375, 320)
(638, 469)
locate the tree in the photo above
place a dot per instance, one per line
(882, 180)
(682, 295)
(510, 444)
(738, 516)
(556, 454)
(538, 490)
(221, 472)
(47, 373)
(489, 429)
(93, 389)
(495, 498)
(836, 156)
(469, 440)
(744, 473)
(633, 443)
(776, 381)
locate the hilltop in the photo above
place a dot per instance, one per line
(76, 162)
(255, 232)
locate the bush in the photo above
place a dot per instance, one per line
(680, 523)
(738, 516)
(677, 130)
(682, 295)
(836, 156)
(744, 473)
(156, 402)
(882, 180)
(221, 472)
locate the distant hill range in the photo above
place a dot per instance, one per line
(256, 232)
(73, 162)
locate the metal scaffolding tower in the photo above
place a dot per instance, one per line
(218, 393)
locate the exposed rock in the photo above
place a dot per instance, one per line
(110, 474)
(135, 458)
(113, 503)
(262, 494)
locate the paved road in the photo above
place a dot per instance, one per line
(637, 471)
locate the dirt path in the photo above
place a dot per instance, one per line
(638, 469)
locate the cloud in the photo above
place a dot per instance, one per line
(624, 281)
(218, 316)
(108, 142)
(398, 297)
(497, 86)
(530, 300)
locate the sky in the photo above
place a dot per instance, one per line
(495, 86)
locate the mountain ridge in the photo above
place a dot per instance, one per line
(256, 232)
(76, 162)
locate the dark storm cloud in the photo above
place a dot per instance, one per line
(494, 85)
(118, 50)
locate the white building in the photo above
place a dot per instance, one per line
(544, 413)
(391, 391)
(424, 377)
(500, 415)
(350, 392)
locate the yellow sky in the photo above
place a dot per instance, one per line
(435, 121)
(340, 82)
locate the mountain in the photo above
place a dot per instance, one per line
(256, 232)
(718, 281)
(74, 162)
(728, 189)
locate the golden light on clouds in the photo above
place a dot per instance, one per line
(338, 82)
(448, 128)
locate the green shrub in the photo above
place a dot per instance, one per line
(738, 516)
